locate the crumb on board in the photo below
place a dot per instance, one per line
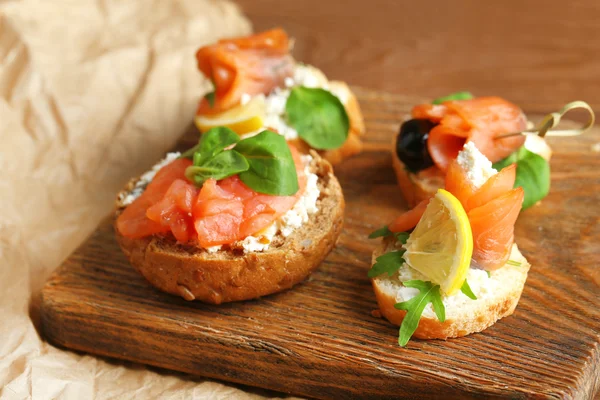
(376, 313)
(596, 147)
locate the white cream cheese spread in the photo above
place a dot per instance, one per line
(477, 166)
(145, 179)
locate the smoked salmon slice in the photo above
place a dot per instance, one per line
(133, 222)
(492, 211)
(217, 214)
(469, 196)
(221, 212)
(497, 185)
(227, 210)
(409, 219)
(253, 65)
(493, 227)
(457, 184)
(174, 210)
(479, 120)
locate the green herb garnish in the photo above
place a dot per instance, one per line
(211, 143)
(263, 162)
(453, 96)
(466, 289)
(272, 169)
(210, 97)
(428, 293)
(402, 237)
(533, 174)
(514, 263)
(384, 231)
(489, 274)
(221, 166)
(381, 232)
(388, 263)
(319, 117)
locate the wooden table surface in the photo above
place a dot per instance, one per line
(539, 53)
(321, 339)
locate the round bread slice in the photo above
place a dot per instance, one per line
(497, 297)
(230, 274)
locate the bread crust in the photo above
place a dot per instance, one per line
(485, 315)
(230, 275)
(353, 144)
(416, 187)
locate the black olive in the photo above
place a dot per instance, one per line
(411, 144)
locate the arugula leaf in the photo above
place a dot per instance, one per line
(402, 237)
(221, 166)
(466, 289)
(533, 174)
(319, 117)
(453, 96)
(388, 263)
(271, 165)
(381, 232)
(385, 232)
(428, 293)
(513, 263)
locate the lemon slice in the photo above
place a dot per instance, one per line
(241, 119)
(441, 245)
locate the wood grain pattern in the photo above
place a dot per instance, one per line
(541, 52)
(320, 339)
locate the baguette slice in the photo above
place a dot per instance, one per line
(496, 298)
(230, 274)
(416, 187)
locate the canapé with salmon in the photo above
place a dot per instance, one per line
(450, 266)
(428, 142)
(231, 219)
(257, 84)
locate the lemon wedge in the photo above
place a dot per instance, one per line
(241, 119)
(441, 245)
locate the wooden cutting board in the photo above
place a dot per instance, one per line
(320, 338)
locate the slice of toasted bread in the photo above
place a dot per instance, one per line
(230, 274)
(497, 297)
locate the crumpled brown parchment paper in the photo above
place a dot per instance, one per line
(91, 93)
